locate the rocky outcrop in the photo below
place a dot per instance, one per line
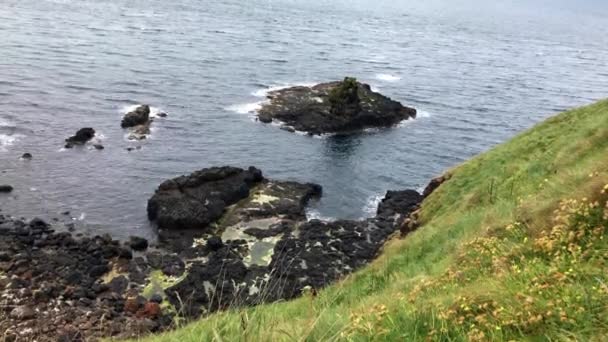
(80, 138)
(262, 247)
(138, 121)
(333, 108)
(139, 116)
(197, 200)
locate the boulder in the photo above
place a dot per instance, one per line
(138, 243)
(399, 203)
(80, 138)
(139, 116)
(6, 188)
(26, 156)
(333, 107)
(199, 199)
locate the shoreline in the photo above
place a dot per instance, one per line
(92, 287)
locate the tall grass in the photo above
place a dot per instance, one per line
(512, 247)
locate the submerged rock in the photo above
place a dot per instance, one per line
(139, 116)
(80, 138)
(26, 156)
(333, 108)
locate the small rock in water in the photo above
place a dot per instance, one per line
(82, 136)
(139, 116)
(22, 313)
(162, 115)
(6, 188)
(137, 243)
(98, 146)
(26, 156)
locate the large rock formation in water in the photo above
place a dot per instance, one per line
(333, 107)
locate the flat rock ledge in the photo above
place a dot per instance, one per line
(334, 107)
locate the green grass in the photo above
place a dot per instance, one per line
(501, 255)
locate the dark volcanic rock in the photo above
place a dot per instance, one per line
(6, 188)
(138, 243)
(139, 116)
(196, 200)
(80, 138)
(52, 280)
(397, 204)
(333, 107)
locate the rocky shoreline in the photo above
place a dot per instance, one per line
(227, 237)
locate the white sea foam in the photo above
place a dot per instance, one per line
(387, 78)
(7, 140)
(422, 114)
(265, 91)
(313, 214)
(246, 108)
(371, 205)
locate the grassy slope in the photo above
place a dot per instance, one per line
(494, 260)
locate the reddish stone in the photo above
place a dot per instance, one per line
(131, 305)
(151, 310)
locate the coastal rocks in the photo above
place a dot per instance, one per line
(52, 282)
(333, 107)
(395, 203)
(26, 156)
(80, 138)
(138, 121)
(137, 243)
(264, 249)
(197, 200)
(6, 188)
(138, 116)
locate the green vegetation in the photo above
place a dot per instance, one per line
(512, 247)
(343, 95)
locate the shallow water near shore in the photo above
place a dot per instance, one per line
(477, 75)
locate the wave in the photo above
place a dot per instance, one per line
(313, 214)
(371, 205)
(7, 140)
(387, 77)
(266, 90)
(246, 108)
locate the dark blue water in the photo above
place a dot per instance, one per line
(477, 72)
